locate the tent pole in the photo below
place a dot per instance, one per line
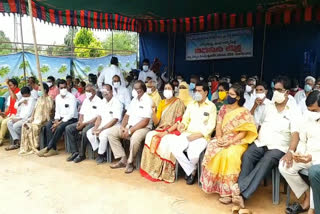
(23, 57)
(35, 45)
(263, 46)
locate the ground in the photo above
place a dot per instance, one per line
(29, 184)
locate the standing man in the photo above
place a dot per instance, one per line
(25, 107)
(146, 72)
(152, 91)
(198, 123)
(53, 89)
(109, 114)
(135, 126)
(65, 114)
(302, 95)
(120, 91)
(33, 87)
(108, 73)
(87, 117)
(250, 94)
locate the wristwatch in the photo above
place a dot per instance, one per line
(129, 131)
(291, 151)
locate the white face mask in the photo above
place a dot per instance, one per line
(248, 89)
(201, 78)
(209, 84)
(88, 95)
(63, 92)
(176, 89)
(261, 96)
(278, 97)
(168, 94)
(116, 84)
(313, 115)
(149, 90)
(179, 80)
(134, 93)
(145, 68)
(197, 97)
(49, 84)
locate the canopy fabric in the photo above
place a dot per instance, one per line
(165, 16)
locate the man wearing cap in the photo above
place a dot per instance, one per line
(301, 96)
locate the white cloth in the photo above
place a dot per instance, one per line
(89, 109)
(19, 96)
(259, 112)
(144, 74)
(66, 108)
(24, 111)
(98, 143)
(139, 110)
(277, 127)
(193, 149)
(34, 94)
(123, 95)
(15, 129)
(107, 75)
(250, 100)
(300, 98)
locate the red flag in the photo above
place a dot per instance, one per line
(194, 24)
(106, 20)
(187, 20)
(233, 20)
(116, 21)
(162, 26)
(68, 19)
(52, 19)
(201, 24)
(150, 25)
(181, 24)
(60, 17)
(216, 21)
(12, 5)
(249, 19)
(308, 14)
(43, 13)
(82, 18)
(34, 10)
(287, 16)
(268, 18)
(95, 17)
(125, 23)
(174, 25)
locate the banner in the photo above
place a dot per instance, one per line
(235, 43)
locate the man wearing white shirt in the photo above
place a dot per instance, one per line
(250, 94)
(109, 114)
(24, 107)
(87, 117)
(120, 91)
(260, 103)
(65, 114)
(135, 125)
(302, 95)
(107, 74)
(308, 154)
(33, 87)
(146, 72)
(278, 139)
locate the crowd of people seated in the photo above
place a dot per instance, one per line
(244, 129)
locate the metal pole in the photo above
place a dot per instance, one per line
(263, 46)
(23, 56)
(35, 45)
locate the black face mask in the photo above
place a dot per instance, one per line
(231, 100)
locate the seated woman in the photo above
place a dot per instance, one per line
(184, 94)
(222, 95)
(222, 161)
(158, 164)
(31, 129)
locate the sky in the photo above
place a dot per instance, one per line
(46, 33)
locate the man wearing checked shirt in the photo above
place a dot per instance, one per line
(199, 121)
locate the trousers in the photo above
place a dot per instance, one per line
(15, 129)
(99, 142)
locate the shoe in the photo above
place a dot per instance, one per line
(72, 156)
(120, 164)
(51, 152)
(100, 159)
(186, 177)
(191, 179)
(129, 168)
(42, 152)
(13, 147)
(79, 158)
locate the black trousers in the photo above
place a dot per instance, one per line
(72, 136)
(53, 137)
(257, 163)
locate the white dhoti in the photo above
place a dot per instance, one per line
(100, 142)
(296, 183)
(179, 144)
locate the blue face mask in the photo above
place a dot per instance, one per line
(272, 85)
(40, 94)
(231, 100)
(192, 86)
(307, 88)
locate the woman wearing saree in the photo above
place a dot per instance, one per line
(222, 161)
(184, 94)
(31, 129)
(157, 163)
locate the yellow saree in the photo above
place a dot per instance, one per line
(221, 165)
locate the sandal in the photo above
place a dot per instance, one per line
(295, 208)
(238, 200)
(244, 211)
(12, 147)
(225, 200)
(235, 209)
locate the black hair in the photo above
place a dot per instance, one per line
(285, 81)
(108, 85)
(61, 82)
(25, 90)
(313, 97)
(294, 83)
(146, 61)
(239, 89)
(225, 85)
(45, 87)
(175, 80)
(33, 79)
(171, 84)
(114, 61)
(14, 82)
(69, 77)
(117, 77)
(83, 84)
(77, 79)
(263, 84)
(204, 85)
(193, 76)
(51, 78)
(142, 84)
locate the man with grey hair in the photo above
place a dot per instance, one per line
(250, 93)
(153, 92)
(87, 117)
(302, 95)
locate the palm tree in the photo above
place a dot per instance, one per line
(4, 70)
(62, 69)
(44, 69)
(87, 69)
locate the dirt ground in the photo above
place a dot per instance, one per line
(29, 184)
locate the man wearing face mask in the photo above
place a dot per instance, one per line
(108, 73)
(301, 96)
(249, 95)
(146, 72)
(120, 92)
(260, 103)
(278, 139)
(66, 113)
(53, 89)
(222, 94)
(24, 108)
(134, 127)
(307, 155)
(153, 92)
(109, 114)
(197, 125)
(87, 117)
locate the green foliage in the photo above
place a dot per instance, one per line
(87, 69)
(122, 41)
(85, 39)
(4, 70)
(100, 68)
(24, 65)
(44, 69)
(62, 69)
(4, 38)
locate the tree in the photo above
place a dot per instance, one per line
(122, 41)
(87, 69)
(44, 69)
(62, 69)
(85, 39)
(68, 38)
(24, 65)
(4, 70)
(5, 47)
